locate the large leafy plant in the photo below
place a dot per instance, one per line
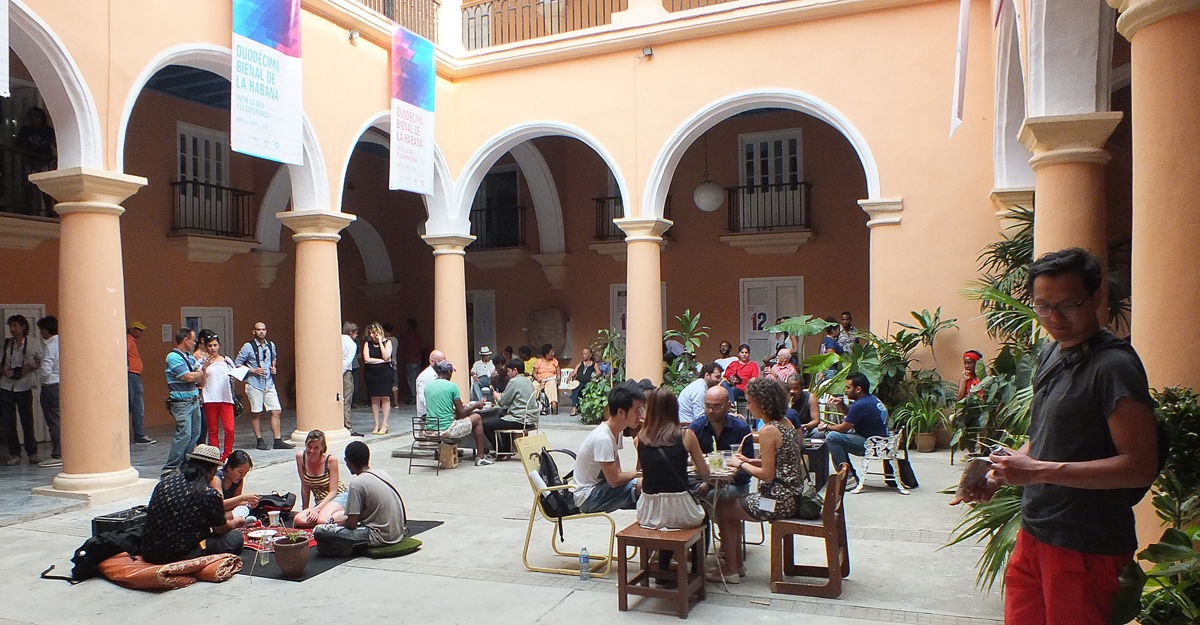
(683, 370)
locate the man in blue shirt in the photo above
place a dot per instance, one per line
(261, 357)
(866, 417)
(183, 374)
(727, 431)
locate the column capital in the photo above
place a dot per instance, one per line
(638, 229)
(447, 243)
(885, 212)
(1137, 14)
(1056, 139)
(87, 190)
(315, 225)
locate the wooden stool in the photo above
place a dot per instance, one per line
(689, 548)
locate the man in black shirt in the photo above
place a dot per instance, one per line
(184, 510)
(1091, 455)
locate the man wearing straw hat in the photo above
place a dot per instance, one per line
(186, 516)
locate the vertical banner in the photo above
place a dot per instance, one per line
(960, 65)
(267, 109)
(4, 93)
(413, 74)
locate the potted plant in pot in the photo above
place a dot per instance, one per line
(921, 417)
(291, 552)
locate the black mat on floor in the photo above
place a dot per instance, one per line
(317, 563)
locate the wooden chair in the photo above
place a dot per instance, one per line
(528, 448)
(881, 450)
(832, 528)
(689, 547)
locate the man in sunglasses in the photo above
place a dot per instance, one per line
(1091, 456)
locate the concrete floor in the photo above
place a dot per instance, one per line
(470, 568)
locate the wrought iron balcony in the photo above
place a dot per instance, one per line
(769, 208)
(498, 227)
(204, 208)
(683, 5)
(18, 196)
(609, 208)
(496, 22)
(419, 16)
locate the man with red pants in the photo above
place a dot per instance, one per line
(1091, 456)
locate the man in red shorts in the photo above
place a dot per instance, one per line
(1091, 456)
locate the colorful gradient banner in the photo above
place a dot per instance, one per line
(267, 107)
(413, 75)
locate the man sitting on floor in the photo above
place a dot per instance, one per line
(600, 484)
(866, 417)
(374, 511)
(446, 412)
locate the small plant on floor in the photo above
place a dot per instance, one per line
(292, 536)
(921, 415)
(609, 350)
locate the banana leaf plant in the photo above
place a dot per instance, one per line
(802, 326)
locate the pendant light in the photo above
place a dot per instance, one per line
(708, 195)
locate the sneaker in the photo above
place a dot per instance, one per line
(262, 445)
(281, 444)
(52, 462)
(13, 461)
(35, 459)
(144, 440)
(851, 482)
(484, 461)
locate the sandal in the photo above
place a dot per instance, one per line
(383, 430)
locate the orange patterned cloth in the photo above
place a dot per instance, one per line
(138, 574)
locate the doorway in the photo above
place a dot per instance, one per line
(763, 301)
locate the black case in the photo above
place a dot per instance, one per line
(117, 521)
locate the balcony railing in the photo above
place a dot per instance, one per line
(498, 227)
(771, 207)
(18, 196)
(683, 5)
(419, 16)
(204, 208)
(609, 208)
(497, 22)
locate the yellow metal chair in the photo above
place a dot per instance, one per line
(528, 448)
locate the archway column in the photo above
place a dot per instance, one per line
(91, 300)
(318, 322)
(450, 303)
(643, 313)
(1068, 165)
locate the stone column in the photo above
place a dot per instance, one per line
(1068, 163)
(1164, 39)
(450, 303)
(643, 307)
(91, 302)
(318, 322)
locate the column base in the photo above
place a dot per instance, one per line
(339, 435)
(98, 488)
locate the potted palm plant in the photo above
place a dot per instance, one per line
(921, 417)
(291, 552)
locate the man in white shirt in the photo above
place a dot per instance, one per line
(349, 351)
(691, 398)
(481, 373)
(427, 376)
(49, 398)
(600, 484)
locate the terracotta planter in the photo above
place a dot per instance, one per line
(926, 442)
(943, 437)
(291, 557)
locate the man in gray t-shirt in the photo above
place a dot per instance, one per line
(375, 514)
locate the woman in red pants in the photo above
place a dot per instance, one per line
(217, 392)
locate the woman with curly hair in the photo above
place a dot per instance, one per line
(779, 469)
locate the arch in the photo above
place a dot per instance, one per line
(504, 142)
(1010, 159)
(275, 200)
(375, 257)
(309, 181)
(62, 86)
(546, 204)
(663, 170)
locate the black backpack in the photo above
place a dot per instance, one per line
(97, 549)
(556, 503)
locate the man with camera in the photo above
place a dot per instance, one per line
(19, 364)
(261, 357)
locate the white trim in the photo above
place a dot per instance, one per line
(547, 206)
(275, 200)
(376, 260)
(62, 87)
(457, 221)
(1010, 159)
(658, 182)
(1070, 57)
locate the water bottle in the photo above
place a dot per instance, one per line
(585, 567)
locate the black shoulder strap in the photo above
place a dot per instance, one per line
(402, 510)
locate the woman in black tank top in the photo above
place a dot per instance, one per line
(663, 450)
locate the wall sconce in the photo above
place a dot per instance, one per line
(647, 52)
(353, 35)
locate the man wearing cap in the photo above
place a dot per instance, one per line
(186, 516)
(137, 407)
(446, 412)
(481, 373)
(261, 357)
(183, 375)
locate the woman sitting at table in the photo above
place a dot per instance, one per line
(780, 472)
(663, 450)
(186, 511)
(229, 480)
(319, 479)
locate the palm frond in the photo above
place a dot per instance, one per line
(995, 521)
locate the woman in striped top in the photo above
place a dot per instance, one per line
(318, 471)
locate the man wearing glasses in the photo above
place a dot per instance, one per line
(261, 357)
(1091, 456)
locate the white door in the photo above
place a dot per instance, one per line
(772, 168)
(763, 301)
(32, 313)
(217, 319)
(618, 307)
(483, 322)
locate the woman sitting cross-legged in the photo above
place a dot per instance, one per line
(319, 479)
(229, 481)
(780, 472)
(186, 510)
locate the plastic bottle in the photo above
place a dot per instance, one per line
(585, 566)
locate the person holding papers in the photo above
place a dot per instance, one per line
(217, 393)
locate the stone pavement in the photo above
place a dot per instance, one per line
(470, 568)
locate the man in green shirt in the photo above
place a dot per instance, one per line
(445, 411)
